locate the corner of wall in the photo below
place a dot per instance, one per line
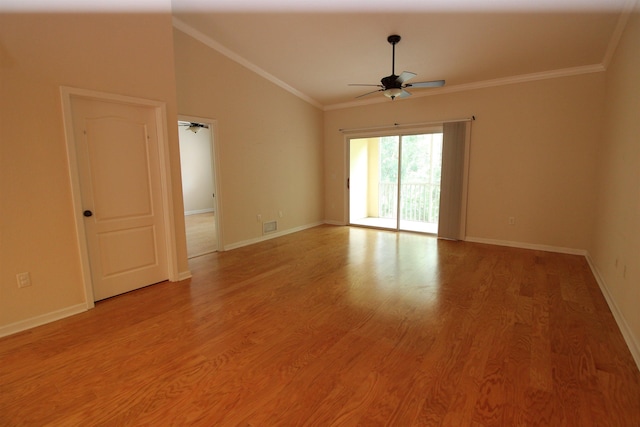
(627, 333)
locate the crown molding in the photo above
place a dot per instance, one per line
(208, 41)
(617, 32)
(523, 78)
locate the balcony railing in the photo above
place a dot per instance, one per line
(418, 202)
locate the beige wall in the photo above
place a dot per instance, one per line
(269, 142)
(539, 152)
(615, 250)
(533, 156)
(128, 55)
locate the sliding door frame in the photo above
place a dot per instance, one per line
(379, 133)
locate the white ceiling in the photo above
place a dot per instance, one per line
(316, 50)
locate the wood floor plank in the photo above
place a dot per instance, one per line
(336, 326)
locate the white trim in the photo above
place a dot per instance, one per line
(184, 275)
(74, 177)
(208, 41)
(271, 236)
(523, 245)
(617, 32)
(524, 78)
(332, 222)
(167, 197)
(627, 334)
(42, 319)
(404, 126)
(167, 187)
(199, 211)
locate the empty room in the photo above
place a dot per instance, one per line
(425, 213)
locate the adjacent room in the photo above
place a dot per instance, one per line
(320, 213)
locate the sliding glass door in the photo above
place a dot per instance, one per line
(394, 181)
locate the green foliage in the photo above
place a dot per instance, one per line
(420, 176)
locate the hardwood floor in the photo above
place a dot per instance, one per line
(336, 326)
(200, 230)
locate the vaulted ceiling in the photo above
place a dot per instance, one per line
(317, 50)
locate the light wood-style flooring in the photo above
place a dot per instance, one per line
(336, 326)
(200, 231)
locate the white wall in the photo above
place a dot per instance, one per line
(197, 170)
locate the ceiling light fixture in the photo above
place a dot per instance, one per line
(394, 86)
(392, 92)
(193, 126)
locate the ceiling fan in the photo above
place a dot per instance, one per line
(395, 86)
(193, 126)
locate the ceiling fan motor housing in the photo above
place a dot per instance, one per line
(393, 86)
(391, 82)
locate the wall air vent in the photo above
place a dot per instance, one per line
(269, 227)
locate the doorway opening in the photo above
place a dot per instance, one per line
(197, 161)
(394, 181)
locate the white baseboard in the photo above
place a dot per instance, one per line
(270, 236)
(184, 275)
(330, 222)
(199, 211)
(522, 245)
(630, 339)
(42, 319)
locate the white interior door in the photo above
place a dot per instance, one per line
(120, 185)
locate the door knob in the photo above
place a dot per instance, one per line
(87, 213)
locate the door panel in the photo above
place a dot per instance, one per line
(120, 184)
(122, 251)
(119, 145)
(420, 182)
(373, 181)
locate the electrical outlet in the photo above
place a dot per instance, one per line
(512, 220)
(259, 218)
(24, 280)
(280, 214)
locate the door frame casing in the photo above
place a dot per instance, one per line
(160, 112)
(215, 165)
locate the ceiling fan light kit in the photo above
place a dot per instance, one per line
(392, 92)
(193, 127)
(394, 86)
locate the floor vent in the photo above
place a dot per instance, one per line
(269, 227)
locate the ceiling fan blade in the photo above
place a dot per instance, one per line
(404, 94)
(406, 75)
(433, 83)
(369, 93)
(358, 84)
